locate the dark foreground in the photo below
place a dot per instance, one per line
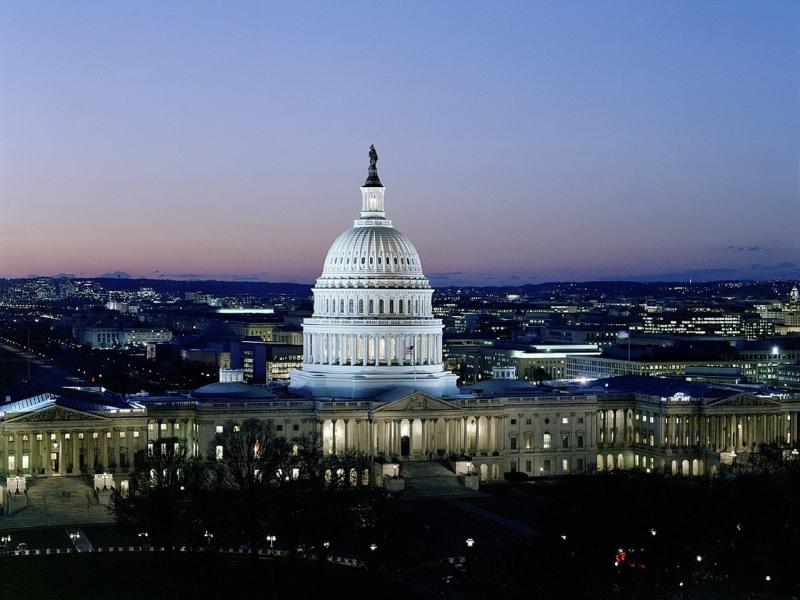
(157, 575)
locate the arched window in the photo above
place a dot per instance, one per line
(391, 306)
(363, 260)
(546, 440)
(361, 307)
(371, 306)
(379, 260)
(401, 306)
(350, 306)
(371, 259)
(416, 307)
(395, 260)
(380, 306)
(341, 306)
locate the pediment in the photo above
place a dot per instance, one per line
(745, 401)
(417, 401)
(55, 413)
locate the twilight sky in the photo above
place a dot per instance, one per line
(519, 142)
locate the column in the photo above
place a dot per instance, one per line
(73, 438)
(34, 454)
(370, 430)
(61, 456)
(477, 435)
(333, 436)
(346, 434)
(104, 449)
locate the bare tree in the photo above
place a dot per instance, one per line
(250, 463)
(161, 501)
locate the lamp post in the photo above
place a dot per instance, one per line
(209, 536)
(271, 539)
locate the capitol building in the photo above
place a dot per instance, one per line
(373, 382)
(373, 328)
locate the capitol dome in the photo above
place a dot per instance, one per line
(373, 328)
(377, 250)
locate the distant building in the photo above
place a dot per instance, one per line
(100, 337)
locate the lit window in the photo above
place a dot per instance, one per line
(67, 436)
(163, 427)
(94, 435)
(108, 435)
(218, 452)
(122, 434)
(565, 465)
(38, 437)
(52, 437)
(177, 426)
(149, 427)
(546, 440)
(135, 434)
(80, 436)
(564, 420)
(236, 428)
(219, 428)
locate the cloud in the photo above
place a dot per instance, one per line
(745, 248)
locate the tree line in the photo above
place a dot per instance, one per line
(252, 483)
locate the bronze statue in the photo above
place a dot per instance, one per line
(373, 158)
(373, 180)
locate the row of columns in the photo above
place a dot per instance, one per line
(372, 349)
(722, 432)
(425, 435)
(337, 306)
(67, 446)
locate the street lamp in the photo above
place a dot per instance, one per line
(209, 536)
(373, 547)
(271, 539)
(470, 542)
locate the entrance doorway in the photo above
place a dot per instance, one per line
(54, 462)
(405, 445)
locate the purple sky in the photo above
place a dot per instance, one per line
(519, 142)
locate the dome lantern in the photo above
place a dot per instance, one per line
(372, 191)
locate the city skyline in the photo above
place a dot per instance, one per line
(654, 147)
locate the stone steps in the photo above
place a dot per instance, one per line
(430, 479)
(59, 501)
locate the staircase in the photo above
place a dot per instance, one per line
(431, 479)
(59, 501)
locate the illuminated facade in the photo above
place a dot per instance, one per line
(373, 328)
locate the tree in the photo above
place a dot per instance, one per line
(250, 463)
(162, 498)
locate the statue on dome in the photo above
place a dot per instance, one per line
(373, 158)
